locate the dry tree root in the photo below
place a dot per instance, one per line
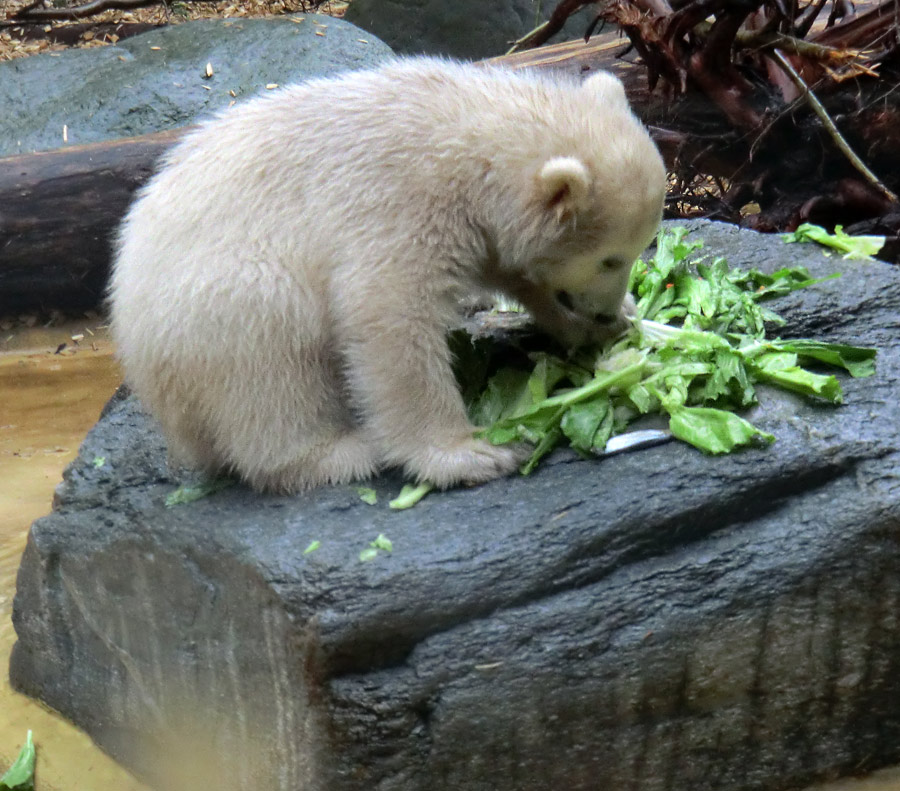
(774, 112)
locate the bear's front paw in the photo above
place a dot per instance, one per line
(465, 461)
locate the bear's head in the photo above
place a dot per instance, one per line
(599, 232)
(590, 199)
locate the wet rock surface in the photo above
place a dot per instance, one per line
(656, 620)
(158, 80)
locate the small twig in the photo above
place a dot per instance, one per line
(32, 14)
(830, 126)
(658, 8)
(804, 22)
(767, 39)
(842, 9)
(531, 39)
(30, 6)
(551, 27)
(768, 128)
(798, 46)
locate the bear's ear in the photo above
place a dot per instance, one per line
(608, 88)
(565, 185)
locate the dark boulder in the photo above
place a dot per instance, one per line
(158, 80)
(656, 620)
(469, 29)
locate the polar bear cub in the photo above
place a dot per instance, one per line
(282, 288)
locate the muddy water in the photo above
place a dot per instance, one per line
(48, 401)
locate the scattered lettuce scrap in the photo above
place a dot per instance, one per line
(381, 543)
(188, 494)
(312, 547)
(696, 373)
(367, 495)
(409, 495)
(20, 776)
(99, 461)
(851, 246)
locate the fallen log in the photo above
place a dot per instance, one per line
(58, 211)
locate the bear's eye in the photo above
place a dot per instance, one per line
(563, 298)
(612, 263)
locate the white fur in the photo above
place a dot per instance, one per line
(283, 286)
(566, 186)
(606, 85)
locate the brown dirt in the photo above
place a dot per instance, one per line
(20, 40)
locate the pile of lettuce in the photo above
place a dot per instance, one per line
(697, 350)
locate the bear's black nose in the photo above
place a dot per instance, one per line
(604, 318)
(563, 298)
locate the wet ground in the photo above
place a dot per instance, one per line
(48, 401)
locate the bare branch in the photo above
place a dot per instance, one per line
(767, 40)
(32, 5)
(551, 27)
(830, 126)
(34, 13)
(804, 22)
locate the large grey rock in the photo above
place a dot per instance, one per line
(470, 29)
(659, 620)
(158, 80)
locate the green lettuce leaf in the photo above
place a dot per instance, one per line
(779, 283)
(20, 776)
(770, 368)
(714, 430)
(367, 495)
(852, 246)
(857, 361)
(188, 494)
(588, 424)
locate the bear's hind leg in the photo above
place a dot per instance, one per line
(285, 426)
(342, 459)
(180, 412)
(190, 445)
